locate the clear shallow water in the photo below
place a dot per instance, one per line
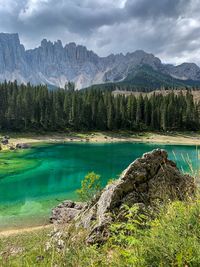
(33, 181)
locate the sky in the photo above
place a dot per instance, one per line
(170, 29)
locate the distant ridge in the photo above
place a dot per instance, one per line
(55, 64)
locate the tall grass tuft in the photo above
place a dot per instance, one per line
(192, 166)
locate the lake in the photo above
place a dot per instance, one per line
(35, 180)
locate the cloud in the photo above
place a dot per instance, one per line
(76, 16)
(168, 28)
(144, 9)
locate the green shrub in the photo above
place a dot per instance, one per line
(90, 186)
(172, 239)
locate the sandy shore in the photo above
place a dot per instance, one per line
(107, 137)
(24, 230)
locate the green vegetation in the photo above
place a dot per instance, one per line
(90, 186)
(29, 108)
(170, 239)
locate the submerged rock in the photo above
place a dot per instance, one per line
(22, 146)
(149, 179)
(4, 141)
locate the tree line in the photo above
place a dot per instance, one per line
(27, 107)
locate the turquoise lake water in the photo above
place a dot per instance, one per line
(35, 180)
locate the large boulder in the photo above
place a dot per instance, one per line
(147, 180)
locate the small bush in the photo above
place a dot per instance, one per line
(172, 239)
(90, 186)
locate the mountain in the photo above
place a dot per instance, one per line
(145, 78)
(55, 64)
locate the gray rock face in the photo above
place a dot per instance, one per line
(147, 180)
(66, 212)
(12, 58)
(184, 71)
(12, 53)
(55, 64)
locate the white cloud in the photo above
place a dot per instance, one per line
(31, 8)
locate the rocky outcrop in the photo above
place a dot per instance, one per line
(147, 180)
(55, 64)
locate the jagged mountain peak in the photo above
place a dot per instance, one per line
(9, 36)
(55, 64)
(188, 64)
(185, 71)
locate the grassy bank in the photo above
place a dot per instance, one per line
(186, 138)
(172, 239)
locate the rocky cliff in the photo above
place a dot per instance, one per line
(55, 64)
(147, 180)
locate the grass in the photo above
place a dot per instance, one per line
(171, 239)
(85, 134)
(174, 238)
(39, 249)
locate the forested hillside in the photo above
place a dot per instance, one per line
(37, 108)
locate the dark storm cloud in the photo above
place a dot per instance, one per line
(167, 28)
(144, 9)
(85, 16)
(76, 16)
